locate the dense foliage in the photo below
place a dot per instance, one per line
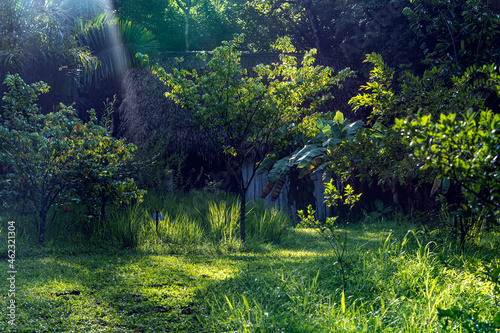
(185, 25)
(335, 28)
(74, 46)
(244, 114)
(49, 160)
(455, 34)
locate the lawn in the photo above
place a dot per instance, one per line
(396, 282)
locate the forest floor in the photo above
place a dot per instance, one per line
(394, 282)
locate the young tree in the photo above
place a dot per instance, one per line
(462, 145)
(44, 156)
(244, 114)
(186, 7)
(432, 130)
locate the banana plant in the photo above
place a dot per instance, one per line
(324, 137)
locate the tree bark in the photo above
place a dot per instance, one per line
(243, 194)
(186, 9)
(242, 189)
(43, 218)
(313, 19)
(186, 27)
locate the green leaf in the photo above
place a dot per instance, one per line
(379, 205)
(339, 118)
(267, 163)
(331, 142)
(304, 156)
(281, 167)
(353, 128)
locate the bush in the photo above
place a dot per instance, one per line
(50, 160)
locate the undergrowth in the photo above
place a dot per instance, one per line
(401, 283)
(190, 222)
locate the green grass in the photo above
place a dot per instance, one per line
(193, 276)
(195, 222)
(125, 292)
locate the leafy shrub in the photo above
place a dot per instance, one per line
(49, 160)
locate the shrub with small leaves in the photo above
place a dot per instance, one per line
(328, 228)
(48, 160)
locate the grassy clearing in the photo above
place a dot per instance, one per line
(396, 283)
(396, 280)
(124, 292)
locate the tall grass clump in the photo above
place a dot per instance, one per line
(176, 233)
(217, 214)
(126, 227)
(213, 218)
(193, 221)
(267, 224)
(222, 219)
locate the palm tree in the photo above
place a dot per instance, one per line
(37, 41)
(115, 44)
(69, 44)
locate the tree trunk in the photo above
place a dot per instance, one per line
(104, 199)
(43, 218)
(186, 9)
(186, 28)
(243, 194)
(242, 189)
(313, 19)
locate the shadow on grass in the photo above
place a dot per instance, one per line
(121, 293)
(129, 291)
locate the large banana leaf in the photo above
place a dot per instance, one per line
(317, 164)
(315, 155)
(339, 118)
(353, 128)
(331, 142)
(304, 156)
(281, 167)
(279, 186)
(267, 163)
(267, 189)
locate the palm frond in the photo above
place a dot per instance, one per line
(114, 43)
(11, 61)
